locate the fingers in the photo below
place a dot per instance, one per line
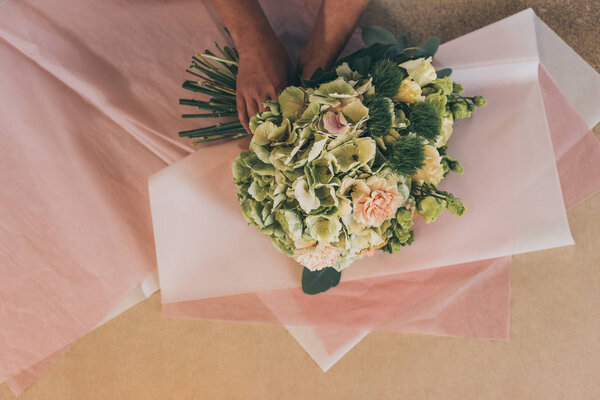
(251, 106)
(273, 94)
(242, 112)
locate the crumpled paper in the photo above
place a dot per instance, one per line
(317, 323)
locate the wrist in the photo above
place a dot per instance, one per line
(313, 57)
(256, 39)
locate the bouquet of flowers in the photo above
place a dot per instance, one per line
(340, 166)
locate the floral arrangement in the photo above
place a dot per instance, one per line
(341, 166)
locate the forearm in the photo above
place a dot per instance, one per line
(334, 25)
(247, 23)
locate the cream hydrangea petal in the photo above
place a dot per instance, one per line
(306, 197)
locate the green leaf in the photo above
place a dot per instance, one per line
(314, 282)
(402, 42)
(375, 51)
(428, 48)
(444, 72)
(318, 77)
(361, 65)
(376, 34)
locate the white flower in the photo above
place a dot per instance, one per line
(420, 70)
(432, 172)
(409, 91)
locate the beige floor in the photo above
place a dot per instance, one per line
(553, 353)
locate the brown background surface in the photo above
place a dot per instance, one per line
(553, 352)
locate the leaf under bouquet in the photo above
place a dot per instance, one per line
(341, 166)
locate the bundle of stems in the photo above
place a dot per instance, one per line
(214, 76)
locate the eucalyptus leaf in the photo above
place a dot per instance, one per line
(361, 65)
(402, 42)
(376, 34)
(444, 72)
(314, 282)
(375, 51)
(428, 48)
(318, 77)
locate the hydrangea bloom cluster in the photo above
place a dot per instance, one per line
(338, 170)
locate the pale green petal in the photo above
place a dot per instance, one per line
(316, 149)
(311, 112)
(240, 171)
(365, 239)
(259, 167)
(292, 102)
(291, 223)
(320, 99)
(338, 88)
(261, 152)
(322, 169)
(344, 71)
(343, 138)
(305, 195)
(322, 229)
(355, 153)
(257, 192)
(268, 132)
(355, 111)
(326, 195)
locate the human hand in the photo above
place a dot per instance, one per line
(264, 71)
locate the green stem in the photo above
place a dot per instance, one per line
(210, 115)
(213, 130)
(223, 96)
(213, 72)
(219, 60)
(208, 105)
(230, 137)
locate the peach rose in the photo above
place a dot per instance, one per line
(315, 256)
(432, 172)
(378, 204)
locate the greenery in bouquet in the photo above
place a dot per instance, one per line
(342, 165)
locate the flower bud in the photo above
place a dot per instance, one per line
(480, 101)
(430, 208)
(460, 110)
(457, 87)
